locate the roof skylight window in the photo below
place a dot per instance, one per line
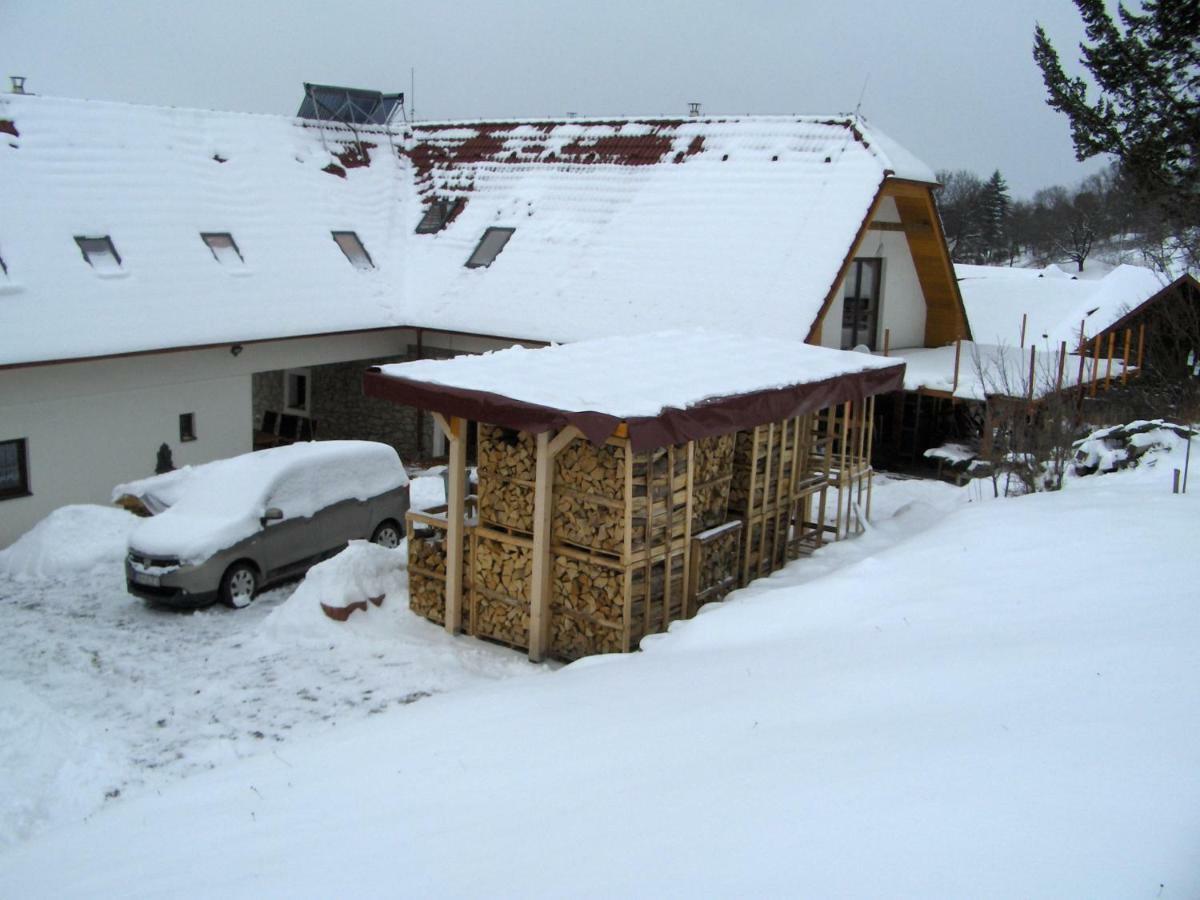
(224, 248)
(489, 248)
(100, 253)
(439, 214)
(354, 249)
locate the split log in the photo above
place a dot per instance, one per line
(501, 589)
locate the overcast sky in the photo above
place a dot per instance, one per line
(952, 80)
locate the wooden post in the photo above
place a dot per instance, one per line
(540, 590)
(1112, 340)
(1095, 365)
(957, 355)
(1141, 346)
(455, 430)
(1062, 365)
(1032, 371)
(887, 340)
(1125, 357)
(1024, 322)
(539, 599)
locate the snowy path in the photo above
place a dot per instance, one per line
(102, 697)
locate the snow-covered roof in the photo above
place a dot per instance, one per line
(985, 370)
(1056, 303)
(619, 226)
(676, 384)
(153, 180)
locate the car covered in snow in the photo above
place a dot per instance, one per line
(226, 529)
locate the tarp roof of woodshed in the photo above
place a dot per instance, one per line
(668, 388)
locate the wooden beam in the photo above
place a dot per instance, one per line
(456, 493)
(562, 439)
(444, 425)
(1125, 358)
(539, 618)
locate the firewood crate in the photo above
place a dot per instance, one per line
(501, 586)
(714, 564)
(712, 473)
(613, 501)
(427, 564)
(507, 461)
(600, 605)
(766, 462)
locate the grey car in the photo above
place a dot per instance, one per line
(288, 508)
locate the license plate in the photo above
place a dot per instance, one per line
(143, 578)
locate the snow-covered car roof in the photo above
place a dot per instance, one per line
(207, 508)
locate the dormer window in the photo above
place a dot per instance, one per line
(489, 248)
(99, 253)
(354, 249)
(224, 248)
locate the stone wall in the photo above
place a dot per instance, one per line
(341, 411)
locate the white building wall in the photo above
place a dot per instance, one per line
(90, 425)
(901, 302)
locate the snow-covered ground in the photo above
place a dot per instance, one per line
(103, 697)
(983, 699)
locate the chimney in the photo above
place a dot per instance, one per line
(694, 109)
(18, 83)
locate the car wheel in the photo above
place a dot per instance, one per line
(238, 585)
(387, 535)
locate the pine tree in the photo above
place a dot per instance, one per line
(996, 205)
(1148, 111)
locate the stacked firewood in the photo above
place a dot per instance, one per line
(508, 504)
(589, 495)
(501, 580)
(575, 636)
(427, 577)
(715, 565)
(648, 610)
(588, 588)
(507, 453)
(507, 462)
(775, 451)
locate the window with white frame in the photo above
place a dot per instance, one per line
(99, 253)
(296, 395)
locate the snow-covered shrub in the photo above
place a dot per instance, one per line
(1123, 446)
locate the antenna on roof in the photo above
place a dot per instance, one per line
(861, 94)
(694, 108)
(18, 83)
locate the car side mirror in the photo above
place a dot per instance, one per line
(271, 514)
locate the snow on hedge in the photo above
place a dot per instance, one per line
(72, 540)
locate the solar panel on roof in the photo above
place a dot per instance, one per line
(352, 106)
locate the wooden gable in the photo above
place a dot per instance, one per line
(945, 317)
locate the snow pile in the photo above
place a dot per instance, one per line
(357, 577)
(72, 540)
(50, 763)
(640, 375)
(218, 504)
(1124, 446)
